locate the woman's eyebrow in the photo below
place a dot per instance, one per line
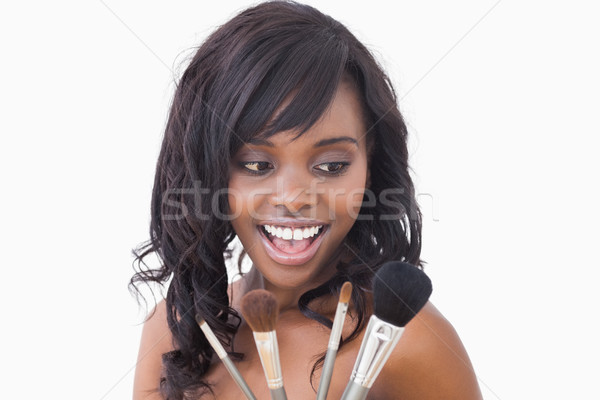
(326, 142)
(260, 142)
(320, 143)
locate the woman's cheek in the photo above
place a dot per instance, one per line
(246, 198)
(348, 200)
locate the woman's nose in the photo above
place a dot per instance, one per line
(295, 191)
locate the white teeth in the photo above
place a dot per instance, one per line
(288, 233)
(298, 234)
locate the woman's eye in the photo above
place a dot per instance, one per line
(333, 168)
(256, 166)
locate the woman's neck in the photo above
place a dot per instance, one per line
(286, 297)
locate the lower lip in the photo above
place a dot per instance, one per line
(291, 259)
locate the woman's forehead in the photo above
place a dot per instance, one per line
(343, 115)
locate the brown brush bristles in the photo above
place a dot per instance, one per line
(259, 308)
(199, 319)
(346, 292)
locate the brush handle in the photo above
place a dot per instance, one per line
(233, 371)
(237, 377)
(278, 394)
(326, 374)
(354, 391)
(334, 342)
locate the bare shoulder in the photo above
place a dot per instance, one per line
(156, 340)
(430, 362)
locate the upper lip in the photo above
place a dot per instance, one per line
(295, 222)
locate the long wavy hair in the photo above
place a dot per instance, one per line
(227, 95)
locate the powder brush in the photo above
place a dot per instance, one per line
(400, 290)
(334, 340)
(260, 309)
(218, 348)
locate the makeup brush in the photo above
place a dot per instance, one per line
(260, 308)
(334, 340)
(218, 348)
(400, 290)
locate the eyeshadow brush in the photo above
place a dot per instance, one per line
(334, 340)
(218, 348)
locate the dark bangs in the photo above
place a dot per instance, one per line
(301, 65)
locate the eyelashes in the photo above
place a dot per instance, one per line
(338, 167)
(256, 167)
(329, 168)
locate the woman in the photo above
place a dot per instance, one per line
(285, 133)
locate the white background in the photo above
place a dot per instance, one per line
(501, 98)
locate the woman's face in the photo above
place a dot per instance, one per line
(293, 202)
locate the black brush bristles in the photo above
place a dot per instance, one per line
(400, 290)
(260, 308)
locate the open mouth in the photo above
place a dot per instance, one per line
(292, 238)
(292, 245)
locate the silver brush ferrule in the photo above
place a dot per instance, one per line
(378, 343)
(268, 350)
(338, 324)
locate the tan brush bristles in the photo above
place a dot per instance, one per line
(346, 292)
(259, 308)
